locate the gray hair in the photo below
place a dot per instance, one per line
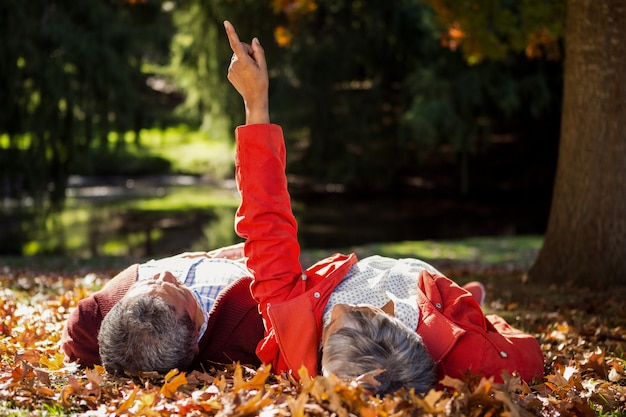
(383, 343)
(144, 334)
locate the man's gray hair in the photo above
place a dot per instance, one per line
(144, 334)
(382, 343)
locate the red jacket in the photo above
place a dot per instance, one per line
(451, 323)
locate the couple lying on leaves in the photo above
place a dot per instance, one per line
(398, 319)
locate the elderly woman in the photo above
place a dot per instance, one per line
(395, 318)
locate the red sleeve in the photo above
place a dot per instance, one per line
(264, 217)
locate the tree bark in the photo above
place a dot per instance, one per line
(585, 241)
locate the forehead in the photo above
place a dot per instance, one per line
(367, 310)
(158, 287)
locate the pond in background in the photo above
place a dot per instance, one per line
(161, 216)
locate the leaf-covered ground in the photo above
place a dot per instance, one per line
(582, 335)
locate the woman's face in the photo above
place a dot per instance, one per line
(166, 286)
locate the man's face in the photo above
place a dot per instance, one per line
(173, 292)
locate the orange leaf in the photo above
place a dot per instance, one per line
(283, 36)
(254, 404)
(54, 362)
(256, 382)
(173, 380)
(296, 406)
(432, 402)
(128, 402)
(65, 395)
(31, 356)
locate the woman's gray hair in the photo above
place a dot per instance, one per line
(364, 345)
(144, 334)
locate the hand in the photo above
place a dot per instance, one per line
(234, 252)
(248, 74)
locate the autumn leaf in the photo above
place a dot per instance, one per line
(368, 379)
(254, 404)
(127, 402)
(256, 382)
(453, 383)
(173, 380)
(433, 402)
(145, 403)
(53, 362)
(296, 405)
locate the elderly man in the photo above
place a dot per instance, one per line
(186, 311)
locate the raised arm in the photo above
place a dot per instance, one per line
(264, 217)
(248, 74)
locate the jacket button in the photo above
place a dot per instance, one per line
(316, 294)
(503, 354)
(303, 277)
(438, 305)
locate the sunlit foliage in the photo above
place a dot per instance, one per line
(488, 29)
(70, 74)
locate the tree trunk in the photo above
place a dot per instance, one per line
(585, 241)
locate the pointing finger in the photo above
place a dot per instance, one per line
(235, 44)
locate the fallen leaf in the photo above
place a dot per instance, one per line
(173, 380)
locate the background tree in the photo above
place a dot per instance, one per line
(366, 94)
(364, 90)
(200, 58)
(71, 73)
(585, 241)
(374, 86)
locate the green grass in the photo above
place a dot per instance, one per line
(484, 250)
(518, 251)
(189, 151)
(176, 150)
(188, 199)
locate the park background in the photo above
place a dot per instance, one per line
(487, 137)
(405, 120)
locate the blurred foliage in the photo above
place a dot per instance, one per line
(364, 90)
(173, 150)
(200, 56)
(71, 73)
(149, 221)
(487, 29)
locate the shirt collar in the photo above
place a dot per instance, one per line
(205, 314)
